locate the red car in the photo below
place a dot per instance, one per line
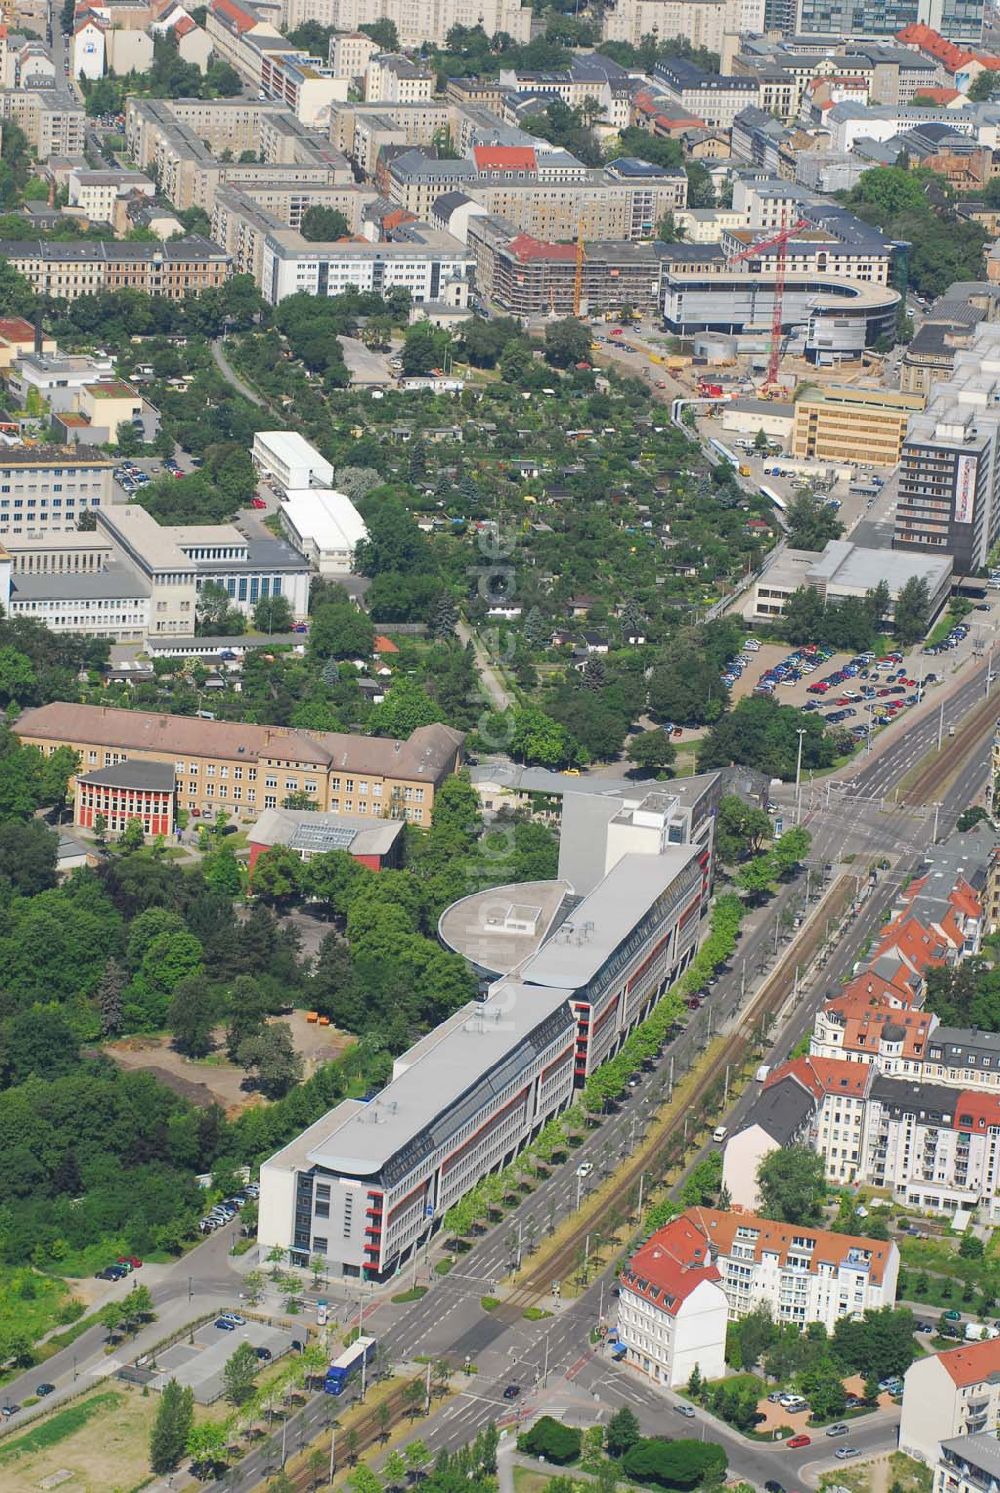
(257, 503)
(798, 1442)
(130, 1260)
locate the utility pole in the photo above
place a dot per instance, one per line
(777, 930)
(642, 1179)
(427, 1388)
(333, 1450)
(941, 726)
(545, 1368)
(671, 1094)
(743, 981)
(631, 1145)
(937, 810)
(725, 1091)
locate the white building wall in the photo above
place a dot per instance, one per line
(666, 1348)
(743, 1155)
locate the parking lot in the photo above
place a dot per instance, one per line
(200, 1362)
(132, 473)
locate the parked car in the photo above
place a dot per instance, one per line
(264, 1354)
(224, 1324)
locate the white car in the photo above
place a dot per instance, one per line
(585, 1168)
(844, 1452)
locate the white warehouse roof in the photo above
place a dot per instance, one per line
(324, 518)
(291, 450)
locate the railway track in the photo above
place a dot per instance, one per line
(651, 1157)
(370, 1436)
(940, 766)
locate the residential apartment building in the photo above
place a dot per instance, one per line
(672, 1310)
(244, 769)
(948, 1395)
(45, 489)
(52, 119)
(703, 23)
(95, 193)
(305, 84)
(852, 425)
(428, 263)
(66, 271)
(417, 23)
(349, 54)
(968, 1464)
(933, 1146)
(949, 475)
(531, 278)
(396, 80)
(715, 98)
(243, 220)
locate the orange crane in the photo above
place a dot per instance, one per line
(778, 241)
(578, 277)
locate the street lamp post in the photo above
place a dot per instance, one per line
(798, 777)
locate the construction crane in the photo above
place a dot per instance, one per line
(578, 277)
(778, 241)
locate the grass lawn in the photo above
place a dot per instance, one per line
(101, 1438)
(31, 1303)
(526, 1481)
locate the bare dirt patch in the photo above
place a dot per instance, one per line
(215, 1080)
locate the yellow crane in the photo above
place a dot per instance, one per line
(578, 277)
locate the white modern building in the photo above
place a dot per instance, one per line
(45, 489)
(968, 1464)
(323, 525)
(581, 961)
(955, 1393)
(366, 1184)
(290, 460)
(427, 262)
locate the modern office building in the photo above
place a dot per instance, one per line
(324, 526)
(112, 602)
(866, 426)
(831, 319)
(290, 460)
(244, 769)
(958, 20)
(949, 1395)
(178, 560)
(949, 474)
(580, 962)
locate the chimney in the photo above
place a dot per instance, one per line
(38, 331)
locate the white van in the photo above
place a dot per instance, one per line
(719, 1134)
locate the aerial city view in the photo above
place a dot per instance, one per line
(500, 746)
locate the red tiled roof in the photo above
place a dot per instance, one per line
(824, 1076)
(383, 644)
(16, 329)
(505, 158)
(184, 24)
(526, 247)
(976, 1111)
(776, 1238)
(952, 57)
(937, 95)
(241, 19)
(973, 1363)
(670, 1265)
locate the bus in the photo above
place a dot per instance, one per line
(343, 1369)
(774, 497)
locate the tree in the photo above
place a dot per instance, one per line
(109, 999)
(912, 612)
(191, 1017)
(823, 1384)
(622, 1432)
(174, 1419)
(364, 1480)
(652, 750)
(740, 829)
(207, 1443)
(675, 1464)
(552, 1440)
(763, 734)
(383, 32)
(394, 1470)
(811, 523)
(240, 1373)
(567, 342)
(277, 875)
(879, 1345)
(791, 1185)
(417, 1456)
(324, 224)
(28, 856)
(273, 614)
(17, 676)
(272, 1053)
